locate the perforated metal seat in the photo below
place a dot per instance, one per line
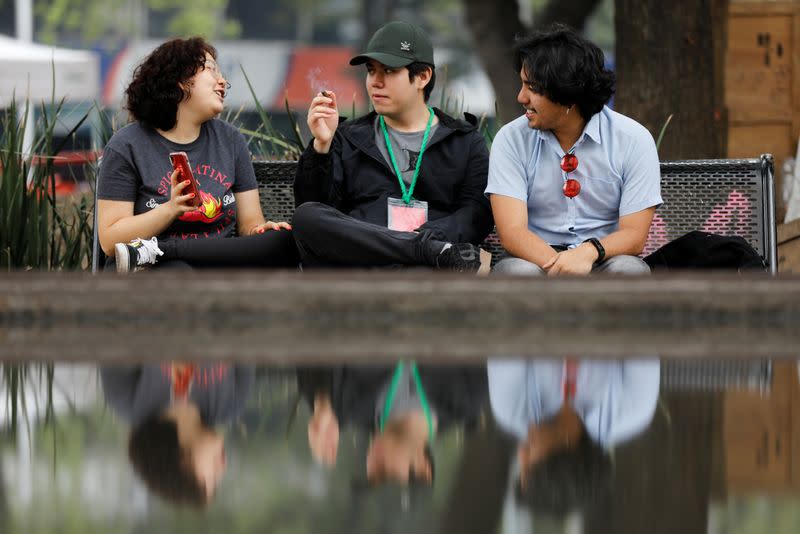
(703, 375)
(726, 197)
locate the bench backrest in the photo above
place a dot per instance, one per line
(722, 196)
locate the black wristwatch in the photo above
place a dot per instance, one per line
(601, 252)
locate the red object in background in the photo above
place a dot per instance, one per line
(312, 70)
(67, 170)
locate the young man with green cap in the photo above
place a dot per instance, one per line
(402, 185)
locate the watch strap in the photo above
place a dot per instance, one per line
(601, 251)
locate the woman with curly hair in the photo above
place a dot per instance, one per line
(146, 216)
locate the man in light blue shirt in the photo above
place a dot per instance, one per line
(550, 406)
(573, 185)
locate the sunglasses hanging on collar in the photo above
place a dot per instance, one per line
(572, 187)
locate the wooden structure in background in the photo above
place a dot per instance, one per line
(762, 81)
(761, 436)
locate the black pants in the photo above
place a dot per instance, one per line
(326, 237)
(273, 248)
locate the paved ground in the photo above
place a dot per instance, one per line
(341, 316)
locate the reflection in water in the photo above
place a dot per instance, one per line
(402, 408)
(622, 455)
(172, 409)
(566, 416)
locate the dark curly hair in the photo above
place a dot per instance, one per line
(566, 68)
(158, 459)
(156, 89)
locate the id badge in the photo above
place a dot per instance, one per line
(406, 217)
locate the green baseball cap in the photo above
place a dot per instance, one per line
(398, 44)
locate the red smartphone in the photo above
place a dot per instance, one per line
(180, 162)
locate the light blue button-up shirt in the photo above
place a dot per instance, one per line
(615, 400)
(618, 170)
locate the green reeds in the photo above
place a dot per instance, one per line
(16, 381)
(663, 131)
(266, 141)
(38, 230)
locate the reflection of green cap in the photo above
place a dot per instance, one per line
(398, 44)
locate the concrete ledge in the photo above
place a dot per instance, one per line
(285, 318)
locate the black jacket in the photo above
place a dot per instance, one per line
(355, 179)
(456, 394)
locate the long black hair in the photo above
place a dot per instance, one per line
(566, 68)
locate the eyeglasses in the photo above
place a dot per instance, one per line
(572, 187)
(212, 66)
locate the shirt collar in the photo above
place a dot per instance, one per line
(592, 128)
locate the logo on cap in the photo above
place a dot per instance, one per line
(405, 46)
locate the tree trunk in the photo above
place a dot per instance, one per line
(374, 14)
(496, 24)
(662, 480)
(669, 61)
(573, 13)
(476, 502)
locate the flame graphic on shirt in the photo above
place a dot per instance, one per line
(209, 210)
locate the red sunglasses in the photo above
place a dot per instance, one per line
(571, 186)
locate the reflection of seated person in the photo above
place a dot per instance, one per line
(172, 408)
(559, 408)
(402, 407)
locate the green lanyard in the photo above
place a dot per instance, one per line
(423, 400)
(407, 193)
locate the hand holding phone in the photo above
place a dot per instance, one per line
(180, 162)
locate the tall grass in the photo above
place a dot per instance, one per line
(266, 141)
(20, 383)
(37, 229)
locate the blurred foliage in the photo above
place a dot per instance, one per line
(117, 20)
(199, 17)
(752, 515)
(57, 232)
(306, 21)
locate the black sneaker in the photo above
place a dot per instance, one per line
(136, 255)
(460, 258)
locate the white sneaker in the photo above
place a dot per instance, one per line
(137, 254)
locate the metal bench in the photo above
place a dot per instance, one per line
(722, 196)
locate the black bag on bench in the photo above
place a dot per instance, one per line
(701, 250)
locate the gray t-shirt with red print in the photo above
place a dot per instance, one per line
(136, 168)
